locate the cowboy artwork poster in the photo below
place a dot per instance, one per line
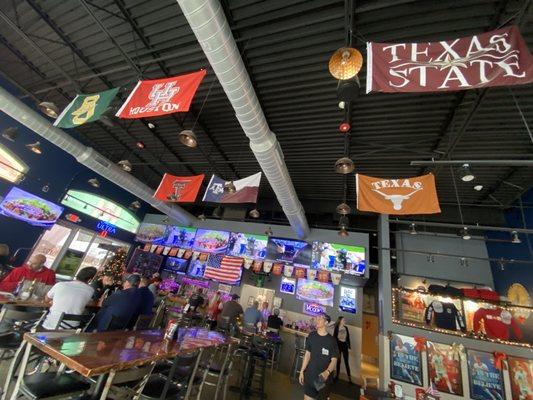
(405, 360)
(444, 368)
(486, 381)
(521, 377)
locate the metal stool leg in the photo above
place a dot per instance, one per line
(22, 370)
(12, 368)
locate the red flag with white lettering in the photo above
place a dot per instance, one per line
(179, 189)
(497, 58)
(161, 96)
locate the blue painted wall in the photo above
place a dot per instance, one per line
(519, 273)
(62, 172)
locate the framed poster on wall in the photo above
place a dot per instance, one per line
(405, 360)
(521, 377)
(486, 381)
(444, 368)
(144, 263)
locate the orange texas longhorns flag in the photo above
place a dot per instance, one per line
(403, 196)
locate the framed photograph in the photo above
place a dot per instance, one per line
(521, 377)
(486, 381)
(405, 360)
(413, 305)
(444, 368)
(277, 302)
(144, 263)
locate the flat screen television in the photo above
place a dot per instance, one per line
(287, 285)
(151, 233)
(180, 236)
(247, 245)
(144, 263)
(29, 208)
(289, 251)
(339, 257)
(211, 241)
(315, 292)
(347, 299)
(176, 265)
(196, 267)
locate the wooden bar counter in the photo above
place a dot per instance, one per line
(93, 354)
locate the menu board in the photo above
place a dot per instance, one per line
(211, 241)
(247, 245)
(338, 257)
(180, 236)
(289, 251)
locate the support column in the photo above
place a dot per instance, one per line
(385, 291)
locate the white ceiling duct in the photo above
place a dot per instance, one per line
(211, 28)
(87, 156)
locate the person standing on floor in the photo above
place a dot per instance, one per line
(342, 335)
(321, 354)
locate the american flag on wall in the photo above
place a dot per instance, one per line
(226, 269)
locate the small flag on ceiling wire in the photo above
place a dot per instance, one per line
(179, 189)
(85, 108)
(226, 269)
(161, 96)
(246, 190)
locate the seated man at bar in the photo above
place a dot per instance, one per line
(231, 309)
(320, 360)
(147, 300)
(118, 309)
(274, 321)
(70, 297)
(101, 285)
(34, 269)
(252, 315)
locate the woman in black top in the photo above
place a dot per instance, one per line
(342, 335)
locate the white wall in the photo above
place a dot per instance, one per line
(445, 268)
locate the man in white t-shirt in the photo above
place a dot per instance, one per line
(70, 297)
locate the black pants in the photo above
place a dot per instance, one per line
(343, 353)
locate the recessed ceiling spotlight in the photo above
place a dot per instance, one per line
(478, 188)
(515, 238)
(466, 173)
(151, 125)
(140, 145)
(342, 104)
(345, 127)
(412, 229)
(49, 108)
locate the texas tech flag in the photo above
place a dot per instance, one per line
(179, 189)
(496, 58)
(161, 96)
(246, 191)
(403, 196)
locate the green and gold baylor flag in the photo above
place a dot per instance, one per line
(85, 108)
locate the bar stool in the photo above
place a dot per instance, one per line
(255, 369)
(297, 360)
(219, 371)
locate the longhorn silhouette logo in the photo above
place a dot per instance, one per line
(397, 199)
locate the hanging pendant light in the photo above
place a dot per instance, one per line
(229, 187)
(35, 147)
(254, 213)
(465, 234)
(48, 108)
(343, 232)
(412, 229)
(202, 217)
(269, 231)
(343, 209)
(10, 133)
(135, 205)
(344, 165)
(217, 212)
(94, 182)
(125, 165)
(188, 138)
(343, 225)
(515, 238)
(466, 173)
(345, 63)
(151, 125)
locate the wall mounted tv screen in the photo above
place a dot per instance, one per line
(180, 236)
(197, 266)
(29, 208)
(289, 251)
(339, 257)
(211, 241)
(247, 245)
(151, 233)
(315, 292)
(176, 265)
(287, 285)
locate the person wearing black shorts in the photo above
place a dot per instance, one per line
(320, 360)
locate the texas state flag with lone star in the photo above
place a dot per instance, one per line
(246, 191)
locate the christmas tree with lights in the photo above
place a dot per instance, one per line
(115, 266)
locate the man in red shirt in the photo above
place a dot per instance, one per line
(34, 269)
